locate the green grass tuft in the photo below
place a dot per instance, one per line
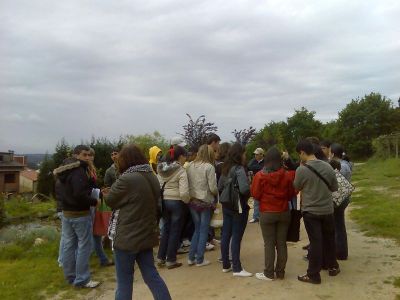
(377, 198)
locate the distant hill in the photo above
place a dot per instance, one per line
(34, 160)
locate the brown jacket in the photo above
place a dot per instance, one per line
(135, 195)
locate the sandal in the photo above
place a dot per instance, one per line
(306, 278)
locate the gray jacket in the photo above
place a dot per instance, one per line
(110, 176)
(315, 195)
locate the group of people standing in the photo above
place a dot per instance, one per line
(182, 187)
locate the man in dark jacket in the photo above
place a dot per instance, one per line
(254, 166)
(76, 221)
(111, 173)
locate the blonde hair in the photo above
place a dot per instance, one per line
(205, 154)
(92, 167)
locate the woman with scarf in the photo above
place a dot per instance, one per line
(134, 230)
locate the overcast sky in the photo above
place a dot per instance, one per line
(108, 68)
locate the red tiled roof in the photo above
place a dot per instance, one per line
(30, 174)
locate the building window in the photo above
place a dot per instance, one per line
(1, 157)
(9, 178)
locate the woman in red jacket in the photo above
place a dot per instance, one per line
(273, 186)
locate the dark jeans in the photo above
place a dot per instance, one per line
(274, 227)
(188, 225)
(233, 227)
(340, 231)
(321, 233)
(171, 231)
(124, 266)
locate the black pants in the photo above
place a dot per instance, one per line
(322, 252)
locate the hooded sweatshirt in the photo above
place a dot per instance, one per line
(273, 189)
(153, 152)
(177, 185)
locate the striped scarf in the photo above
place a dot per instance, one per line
(112, 228)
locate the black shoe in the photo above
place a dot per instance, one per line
(333, 271)
(280, 276)
(306, 278)
(107, 264)
(341, 258)
(174, 265)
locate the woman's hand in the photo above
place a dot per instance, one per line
(105, 191)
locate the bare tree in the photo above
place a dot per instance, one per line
(196, 132)
(244, 136)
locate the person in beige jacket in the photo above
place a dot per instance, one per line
(176, 194)
(203, 190)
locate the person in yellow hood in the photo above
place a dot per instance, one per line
(154, 154)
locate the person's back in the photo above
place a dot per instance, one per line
(175, 178)
(137, 218)
(316, 180)
(202, 181)
(315, 194)
(273, 189)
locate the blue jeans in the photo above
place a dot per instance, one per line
(124, 266)
(233, 227)
(60, 248)
(97, 246)
(171, 231)
(77, 236)
(256, 210)
(340, 231)
(198, 244)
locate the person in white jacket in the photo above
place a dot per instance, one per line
(203, 189)
(176, 194)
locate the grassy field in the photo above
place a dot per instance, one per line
(377, 198)
(32, 272)
(20, 208)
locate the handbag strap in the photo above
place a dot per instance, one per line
(318, 174)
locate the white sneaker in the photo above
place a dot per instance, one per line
(215, 241)
(204, 263)
(262, 276)
(191, 262)
(186, 243)
(227, 270)
(91, 284)
(253, 221)
(209, 247)
(242, 273)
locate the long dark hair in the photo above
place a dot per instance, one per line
(233, 158)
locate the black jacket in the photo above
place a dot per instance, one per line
(76, 187)
(255, 166)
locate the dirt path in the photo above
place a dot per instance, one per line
(368, 273)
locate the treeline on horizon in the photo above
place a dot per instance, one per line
(358, 124)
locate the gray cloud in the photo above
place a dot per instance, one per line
(79, 68)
